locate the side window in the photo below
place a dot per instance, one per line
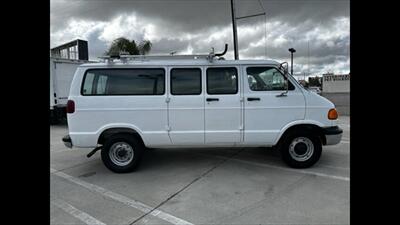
(88, 83)
(222, 80)
(124, 82)
(101, 84)
(266, 79)
(186, 81)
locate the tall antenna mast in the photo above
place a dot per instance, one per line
(235, 41)
(234, 26)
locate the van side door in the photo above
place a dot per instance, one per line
(266, 112)
(222, 105)
(186, 105)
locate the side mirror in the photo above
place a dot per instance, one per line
(285, 75)
(284, 94)
(287, 84)
(284, 67)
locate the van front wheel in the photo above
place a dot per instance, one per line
(121, 153)
(301, 150)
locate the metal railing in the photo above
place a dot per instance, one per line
(124, 57)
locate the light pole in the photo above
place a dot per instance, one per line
(292, 50)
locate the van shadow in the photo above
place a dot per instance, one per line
(189, 158)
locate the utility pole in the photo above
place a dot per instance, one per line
(235, 41)
(234, 18)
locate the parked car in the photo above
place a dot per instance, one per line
(123, 107)
(315, 89)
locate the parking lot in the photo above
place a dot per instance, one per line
(200, 186)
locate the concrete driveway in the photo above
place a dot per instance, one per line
(200, 186)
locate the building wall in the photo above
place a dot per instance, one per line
(341, 101)
(336, 83)
(77, 49)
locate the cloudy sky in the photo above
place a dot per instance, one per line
(318, 29)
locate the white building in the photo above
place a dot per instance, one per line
(336, 83)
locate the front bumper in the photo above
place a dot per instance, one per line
(67, 141)
(333, 135)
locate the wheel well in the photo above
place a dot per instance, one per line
(304, 128)
(111, 131)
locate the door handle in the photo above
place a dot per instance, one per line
(212, 99)
(281, 95)
(253, 99)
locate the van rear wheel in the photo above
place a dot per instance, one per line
(121, 153)
(301, 150)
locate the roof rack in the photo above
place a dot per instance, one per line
(124, 57)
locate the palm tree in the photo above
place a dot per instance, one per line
(145, 47)
(125, 45)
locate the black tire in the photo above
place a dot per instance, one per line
(299, 140)
(122, 140)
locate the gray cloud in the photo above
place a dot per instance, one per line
(96, 46)
(186, 15)
(195, 26)
(196, 14)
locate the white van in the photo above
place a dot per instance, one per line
(123, 107)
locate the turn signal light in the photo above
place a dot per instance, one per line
(332, 114)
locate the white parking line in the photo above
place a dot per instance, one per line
(82, 216)
(295, 170)
(123, 199)
(335, 167)
(281, 168)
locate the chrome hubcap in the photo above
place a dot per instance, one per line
(121, 153)
(301, 149)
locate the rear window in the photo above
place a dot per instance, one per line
(124, 82)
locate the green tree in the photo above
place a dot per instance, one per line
(125, 45)
(315, 81)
